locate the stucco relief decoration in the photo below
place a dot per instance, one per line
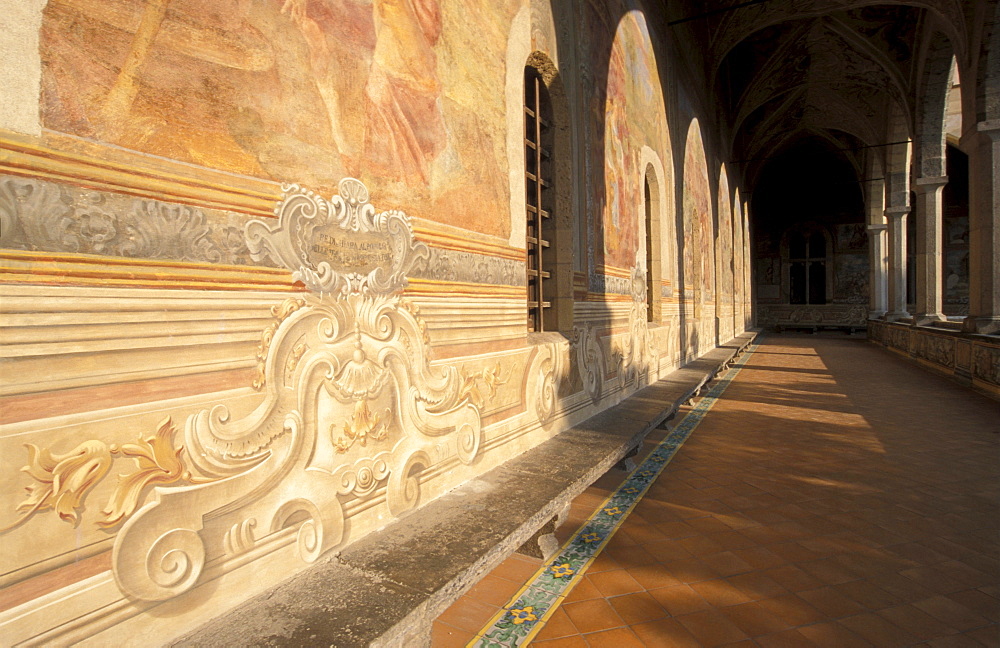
(634, 353)
(350, 409)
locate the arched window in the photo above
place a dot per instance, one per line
(808, 267)
(539, 197)
(650, 287)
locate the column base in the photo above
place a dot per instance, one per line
(876, 314)
(895, 316)
(926, 319)
(981, 325)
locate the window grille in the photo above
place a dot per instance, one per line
(538, 199)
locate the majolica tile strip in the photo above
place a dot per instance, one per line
(525, 614)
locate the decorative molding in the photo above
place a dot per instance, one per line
(986, 363)
(468, 267)
(351, 406)
(964, 356)
(65, 158)
(812, 315)
(36, 215)
(607, 284)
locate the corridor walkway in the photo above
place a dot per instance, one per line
(834, 495)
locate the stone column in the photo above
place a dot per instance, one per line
(878, 266)
(984, 228)
(930, 284)
(897, 262)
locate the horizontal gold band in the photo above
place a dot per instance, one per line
(64, 158)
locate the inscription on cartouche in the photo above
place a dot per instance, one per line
(356, 252)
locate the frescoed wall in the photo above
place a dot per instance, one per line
(699, 246)
(724, 261)
(624, 119)
(304, 91)
(739, 261)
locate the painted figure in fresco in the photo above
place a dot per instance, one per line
(385, 63)
(251, 87)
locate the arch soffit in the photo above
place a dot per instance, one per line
(936, 78)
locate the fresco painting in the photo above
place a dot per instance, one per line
(738, 264)
(699, 240)
(699, 273)
(303, 91)
(724, 251)
(724, 258)
(631, 116)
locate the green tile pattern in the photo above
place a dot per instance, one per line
(525, 614)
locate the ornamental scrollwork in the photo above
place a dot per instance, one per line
(349, 408)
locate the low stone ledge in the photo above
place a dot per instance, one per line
(387, 588)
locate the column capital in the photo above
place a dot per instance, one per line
(897, 211)
(877, 227)
(929, 184)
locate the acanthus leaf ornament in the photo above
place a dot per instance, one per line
(65, 480)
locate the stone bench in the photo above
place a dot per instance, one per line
(387, 588)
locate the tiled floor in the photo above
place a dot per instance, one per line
(834, 496)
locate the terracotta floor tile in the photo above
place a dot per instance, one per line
(720, 593)
(583, 591)
(680, 599)
(979, 602)
(987, 635)
(517, 568)
(665, 632)
(667, 550)
(711, 628)
(602, 563)
(690, 570)
(834, 635)
(831, 602)
(614, 583)
(468, 614)
(785, 639)
(637, 608)
(593, 616)
(632, 556)
(493, 590)
(753, 619)
(828, 571)
(877, 630)
(557, 626)
(952, 613)
(616, 638)
(653, 576)
(868, 595)
(757, 585)
(727, 563)
(573, 641)
(446, 636)
(760, 557)
(917, 622)
(792, 578)
(792, 609)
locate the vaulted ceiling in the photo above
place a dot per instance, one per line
(829, 71)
